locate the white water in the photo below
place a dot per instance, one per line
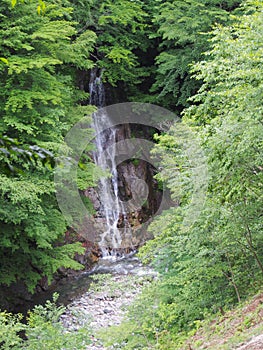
(112, 208)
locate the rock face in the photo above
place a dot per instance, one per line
(138, 190)
(125, 202)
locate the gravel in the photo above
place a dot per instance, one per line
(104, 305)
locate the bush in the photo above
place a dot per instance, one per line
(43, 330)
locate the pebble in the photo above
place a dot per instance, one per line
(103, 308)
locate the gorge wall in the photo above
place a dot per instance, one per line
(129, 173)
(118, 225)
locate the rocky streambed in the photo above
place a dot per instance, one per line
(116, 283)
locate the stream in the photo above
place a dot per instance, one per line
(99, 299)
(71, 288)
(105, 302)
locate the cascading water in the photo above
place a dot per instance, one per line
(96, 89)
(112, 208)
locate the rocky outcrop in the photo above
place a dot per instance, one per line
(137, 189)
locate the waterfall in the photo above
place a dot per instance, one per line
(112, 209)
(96, 89)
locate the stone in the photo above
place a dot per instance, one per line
(107, 311)
(100, 309)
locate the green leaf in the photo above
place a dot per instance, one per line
(4, 60)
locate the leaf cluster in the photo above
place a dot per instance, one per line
(40, 101)
(43, 330)
(183, 27)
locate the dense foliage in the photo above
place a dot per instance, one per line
(43, 323)
(217, 260)
(123, 47)
(145, 47)
(183, 27)
(40, 55)
(202, 59)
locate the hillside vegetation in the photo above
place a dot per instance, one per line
(202, 60)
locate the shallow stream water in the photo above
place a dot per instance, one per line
(71, 288)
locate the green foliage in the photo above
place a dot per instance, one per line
(39, 103)
(215, 262)
(232, 127)
(123, 46)
(43, 330)
(14, 157)
(35, 47)
(10, 327)
(181, 27)
(123, 29)
(30, 225)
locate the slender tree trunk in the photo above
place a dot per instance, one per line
(231, 278)
(252, 249)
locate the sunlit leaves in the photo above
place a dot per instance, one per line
(39, 103)
(43, 330)
(4, 60)
(219, 260)
(41, 6)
